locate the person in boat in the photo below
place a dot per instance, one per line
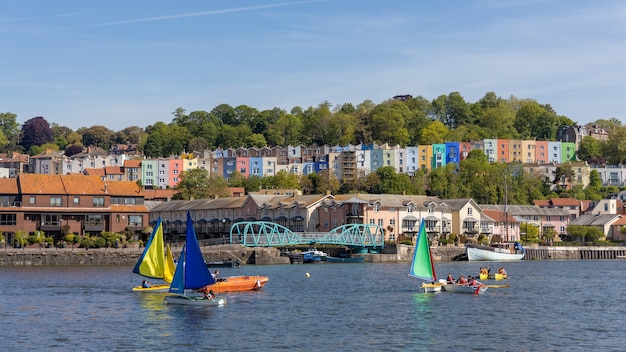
(461, 280)
(473, 282)
(502, 271)
(215, 274)
(145, 284)
(208, 294)
(450, 279)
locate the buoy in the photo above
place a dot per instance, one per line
(307, 275)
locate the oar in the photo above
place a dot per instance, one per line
(498, 286)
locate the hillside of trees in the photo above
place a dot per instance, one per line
(405, 121)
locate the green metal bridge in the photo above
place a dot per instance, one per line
(365, 237)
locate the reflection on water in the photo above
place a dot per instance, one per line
(337, 307)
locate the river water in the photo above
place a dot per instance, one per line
(550, 306)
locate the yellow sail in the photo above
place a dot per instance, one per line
(170, 267)
(152, 261)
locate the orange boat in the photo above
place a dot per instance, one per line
(238, 283)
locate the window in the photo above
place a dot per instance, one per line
(32, 200)
(135, 220)
(98, 201)
(51, 220)
(130, 200)
(94, 220)
(76, 200)
(380, 222)
(469, 211)
(56, 201)
(7, 219)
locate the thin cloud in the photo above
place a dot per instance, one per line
(208, 13)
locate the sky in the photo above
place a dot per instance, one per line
(121, 63)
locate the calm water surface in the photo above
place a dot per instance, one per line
(551, 306)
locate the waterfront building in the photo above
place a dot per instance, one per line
(543, 218)
(85, 204)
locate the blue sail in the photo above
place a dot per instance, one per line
(178, 282)
(191, 270)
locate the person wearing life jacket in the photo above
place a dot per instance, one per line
(472, 282)
(450, 279)
(461, 280)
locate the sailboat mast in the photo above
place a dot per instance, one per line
(506, 209)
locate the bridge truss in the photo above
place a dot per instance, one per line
(269, 234)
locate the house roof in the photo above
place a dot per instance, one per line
(595, 220)
(8, 186)
(499, 216)
(565, 202)
(94, 172)
(527, 210)
(75, 184)
(113, 170)
(132, 163)
(123, 188)
(620, 222)
(158, 193)
(541, 202)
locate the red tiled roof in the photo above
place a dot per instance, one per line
(565, 202)
(8, 186)
(132, 163)
(541, 202)
(124, 188)
(94, 172)
(621, 221)
(499, 216)
(158, 193)
(60, 184)
(113, 170)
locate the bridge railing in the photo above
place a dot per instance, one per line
(268, 234)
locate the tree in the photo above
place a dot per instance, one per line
(434, 133)
(589, 148)
(614, 149)
(286, 130)
(97, 136)
(10, 130)
(529, 233)
(35, 131)
(387, 123)
(218, 187)
(129, 135)
(193, 184)
(72, 149)
(452, 110)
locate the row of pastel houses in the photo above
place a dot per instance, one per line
(343, 162)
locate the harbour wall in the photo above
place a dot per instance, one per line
(264, 256)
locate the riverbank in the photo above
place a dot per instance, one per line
(264, 256)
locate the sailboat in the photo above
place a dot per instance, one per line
(191, 274)
(154, 263)
(422, 266)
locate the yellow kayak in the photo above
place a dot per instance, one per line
(493, 276)
(152, 288)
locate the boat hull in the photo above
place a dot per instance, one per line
(222, 264)
(477, 254)
(478, 290)
(195, 300)
(345, 259)
(238, 284)
(432, 287)
(152, 288)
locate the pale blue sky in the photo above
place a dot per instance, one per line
(121, 63)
